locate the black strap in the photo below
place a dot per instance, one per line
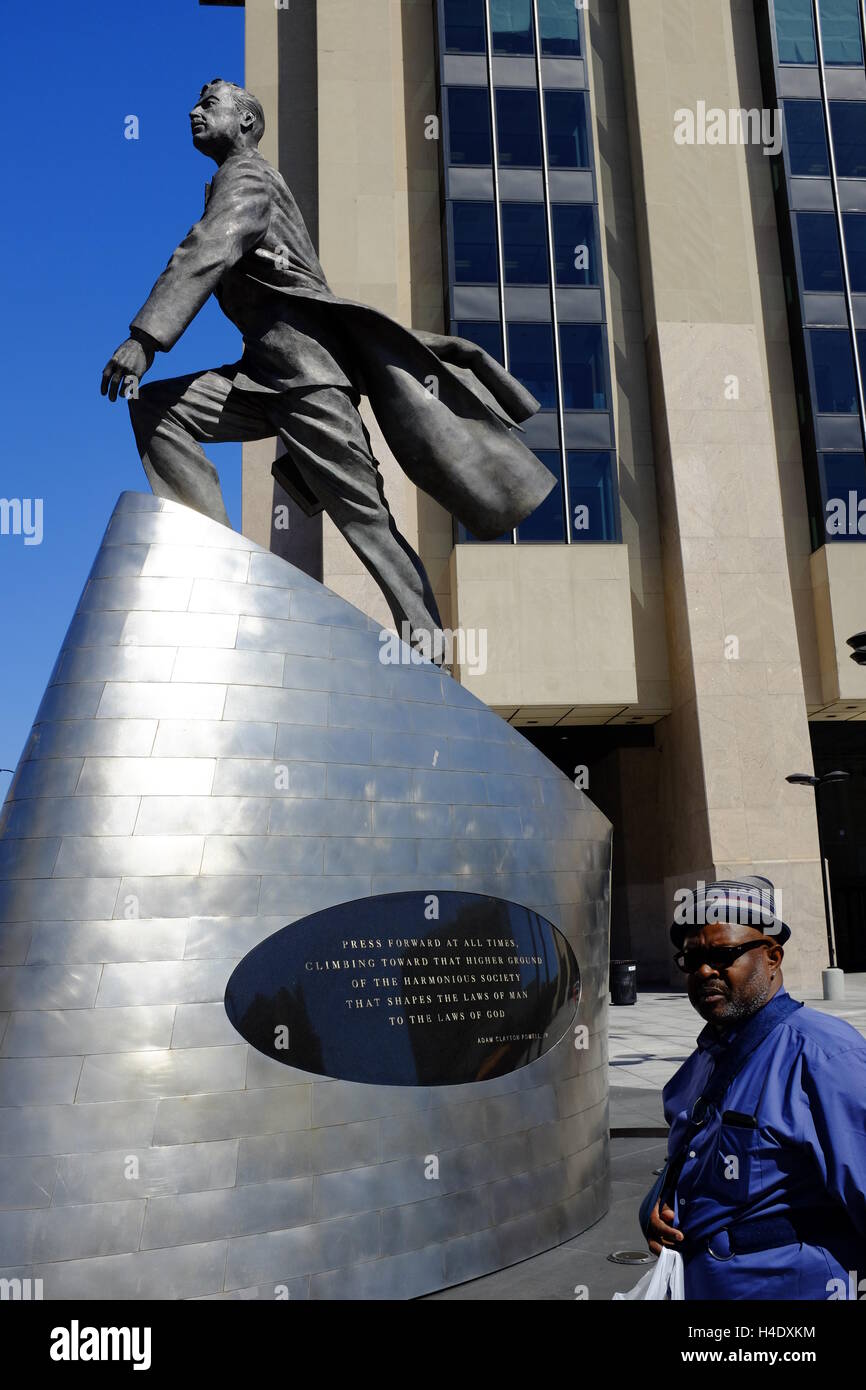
(823, 1226)
(759, 1027)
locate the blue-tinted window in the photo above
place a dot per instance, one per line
(559, 27)
(844, 475)
(840, 31)
(530, 352)
(819, 252)
(795, 31)
(855, 246)
(475, 244)
(584, 380)
(518, 128)
(486, 335)
(848, 123)
(591, 492)
(464, 26)
(807, 139)
(511, 26)
(575, 244)
(524, 244)
(547, 522)
(469, 139)
(833, 365)
(567, 142)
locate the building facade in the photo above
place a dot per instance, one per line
(605, 197)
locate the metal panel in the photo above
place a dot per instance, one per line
(563, 72)
(241, 1211)
(233, 815)
(176, 630)
(281, 706)
(179, 1072)
(306, 1249)
(163, 982)
(169, 701)
(185, 1271)
(262, 854)
(58, 1233)
(107, 1177)
(221, 596)
(324, 745)
(90, 857)
(266, 634)
(68, 1129)
(231, 668)
(178, 738)
(77, 942)
(528, 303)
(572, 186)
(475, 185)
(196, 561)
(579, 304)
(476, 302)
(55, 1033)
(27, 1184)
(234, 1114)
(464, 70)
(39, 1080)
(513, 71)
(109, 737)
(522, 186)
(48, 986)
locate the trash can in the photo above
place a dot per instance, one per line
(623, 982)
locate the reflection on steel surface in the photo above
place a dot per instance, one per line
(220, 753)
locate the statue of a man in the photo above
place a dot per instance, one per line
(446, 409)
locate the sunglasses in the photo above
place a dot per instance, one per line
(719, 957)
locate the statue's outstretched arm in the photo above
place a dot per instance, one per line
(235, 219)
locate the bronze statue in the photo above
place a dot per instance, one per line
(447, 410)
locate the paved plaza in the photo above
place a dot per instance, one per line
(647, 1043)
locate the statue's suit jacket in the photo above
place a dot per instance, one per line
(446, 409)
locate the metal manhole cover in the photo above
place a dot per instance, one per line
(631, 1257)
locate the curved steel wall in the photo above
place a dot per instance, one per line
(145, 1150)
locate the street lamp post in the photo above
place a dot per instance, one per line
(833, 978)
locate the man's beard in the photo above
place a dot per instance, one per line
(737, 1008)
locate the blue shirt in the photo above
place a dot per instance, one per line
(805, 1085)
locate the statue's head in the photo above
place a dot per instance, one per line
(226, 117)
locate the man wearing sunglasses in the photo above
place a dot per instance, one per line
(764, 1192)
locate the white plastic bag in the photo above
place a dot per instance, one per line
(664, 1281)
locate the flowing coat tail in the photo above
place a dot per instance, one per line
(448, 413)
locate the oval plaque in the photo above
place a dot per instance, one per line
(383, 991)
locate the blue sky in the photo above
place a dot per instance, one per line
(90, 219)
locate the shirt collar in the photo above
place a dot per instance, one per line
(709, 1040)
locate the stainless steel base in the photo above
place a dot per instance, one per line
(219, 752)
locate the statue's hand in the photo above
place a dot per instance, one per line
(131, 359)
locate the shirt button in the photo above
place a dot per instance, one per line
(682, 1201)
(692, 1153)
